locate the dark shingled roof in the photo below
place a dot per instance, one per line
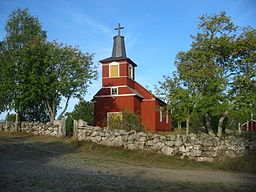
(118, 51)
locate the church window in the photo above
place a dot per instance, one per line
(161, 116)
(114, 70)
(114, 90)
(130, 72)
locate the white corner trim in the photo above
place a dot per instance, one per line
(121, 63)
(114, 77)
(121, 95)
(153, 99)
(115, 86)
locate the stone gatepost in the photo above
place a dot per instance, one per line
(75, 129)
(62, 128)
(78, 124)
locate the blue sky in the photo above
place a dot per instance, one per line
(155, 30)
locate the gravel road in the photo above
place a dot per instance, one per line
(50, 166)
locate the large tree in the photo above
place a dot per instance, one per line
(180, 100)
(220, 69)
(59, 72)
(21, 29)
(37, 74)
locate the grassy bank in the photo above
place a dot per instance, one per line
(143, 158)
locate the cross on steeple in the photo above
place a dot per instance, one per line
(119, 28)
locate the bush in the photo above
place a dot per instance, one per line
(10, 117)
(127, 121)
(83, 110)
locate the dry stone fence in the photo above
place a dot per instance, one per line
(58, 128)
(201, 147)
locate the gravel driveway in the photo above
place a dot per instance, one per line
(49, 166)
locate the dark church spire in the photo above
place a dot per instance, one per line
(119, 45)
(118, 51)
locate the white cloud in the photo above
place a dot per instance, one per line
(80, 18)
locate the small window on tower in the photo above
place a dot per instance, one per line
(114, 90)
(114, 70)
(130, 71)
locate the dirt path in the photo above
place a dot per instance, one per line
(50, 166)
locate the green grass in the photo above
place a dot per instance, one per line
(99, 153)
(175, 132)
(138, 157)
(245, 163)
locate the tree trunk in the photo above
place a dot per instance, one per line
(16, 126)
(220, 124)
(52, 117)
(208, 125)
(179, 126)
(51, 111)
(187, 124)
(65, 108)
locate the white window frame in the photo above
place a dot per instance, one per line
(111, 88)
(118, 69)
(167, 117)
(161, 116)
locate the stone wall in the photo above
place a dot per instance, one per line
(58, 128)
(201, 147)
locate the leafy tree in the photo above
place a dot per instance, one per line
(220, 69)
(60, 71)
(83, 110)
(179, 99)
(10, 117)
(243, 83)
(21, 29)
(35, 114)
(37, 74)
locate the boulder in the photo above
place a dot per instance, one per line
(158, 146)
(131, 147)
(94, 133)
(167, 150)
(98, 138)
(118, 142)
(177, 142)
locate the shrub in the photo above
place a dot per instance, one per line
(83, 110)
(10, 117)
(126, 120)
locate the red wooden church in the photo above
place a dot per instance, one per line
(120, 91)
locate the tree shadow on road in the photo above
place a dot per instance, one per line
(52, 165)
